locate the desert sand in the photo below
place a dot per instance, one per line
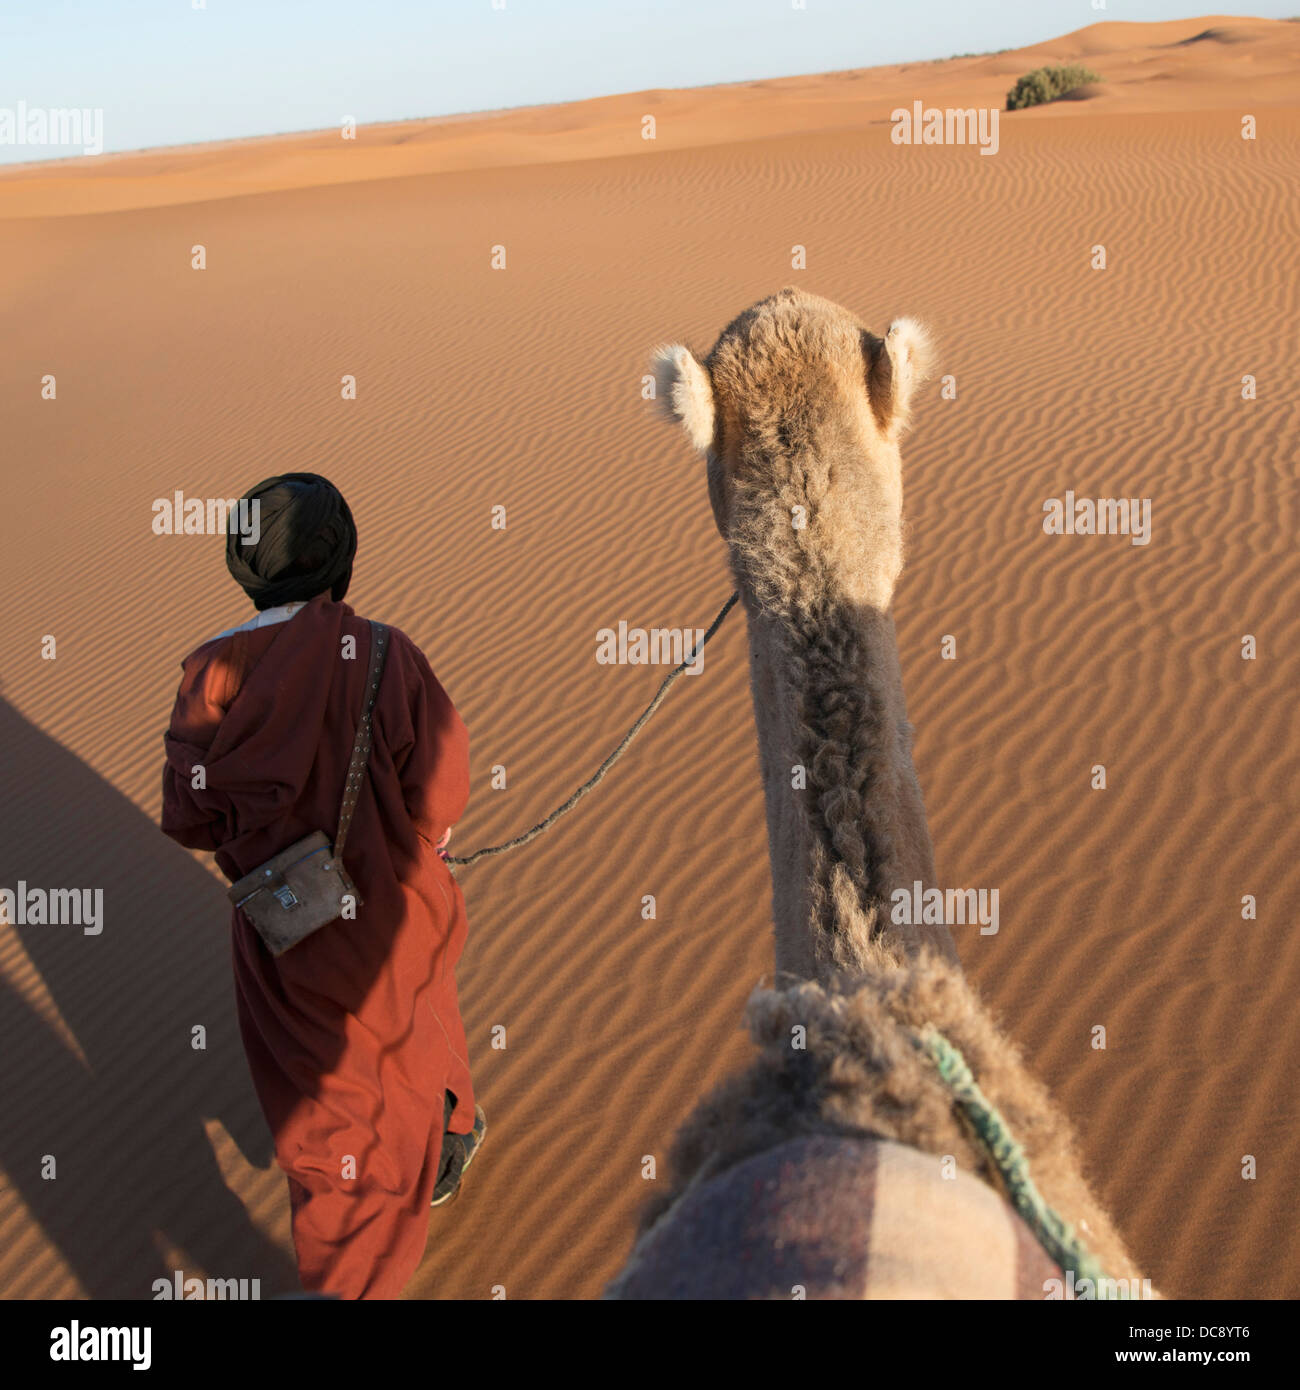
(522, 388)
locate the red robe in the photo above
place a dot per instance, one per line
(352, 1035)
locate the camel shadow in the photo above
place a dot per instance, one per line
(122, 1113)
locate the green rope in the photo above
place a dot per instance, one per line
(1055, 1236)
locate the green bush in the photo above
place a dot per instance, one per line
(1047, 84)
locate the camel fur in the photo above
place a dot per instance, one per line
(798, 410)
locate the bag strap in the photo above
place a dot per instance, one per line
(361, 745)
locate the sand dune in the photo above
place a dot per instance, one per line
(1192, 64)
(521, 388)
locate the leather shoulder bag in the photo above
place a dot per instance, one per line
(306, 887)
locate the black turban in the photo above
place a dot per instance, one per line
(306, 541)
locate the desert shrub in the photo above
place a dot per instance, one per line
(1047, 84)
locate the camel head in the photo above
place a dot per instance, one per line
(798, 410)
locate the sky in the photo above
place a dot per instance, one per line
(164, 72)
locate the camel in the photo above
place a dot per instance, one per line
(871, 1180)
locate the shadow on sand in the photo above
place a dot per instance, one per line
(135, 1168)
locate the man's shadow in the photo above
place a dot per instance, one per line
(135, 1171)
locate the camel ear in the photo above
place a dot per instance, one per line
(683, 390)
(896, 366)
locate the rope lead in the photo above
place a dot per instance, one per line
(534, 831)
(1056, 1237)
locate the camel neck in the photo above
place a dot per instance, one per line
(846, 822)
